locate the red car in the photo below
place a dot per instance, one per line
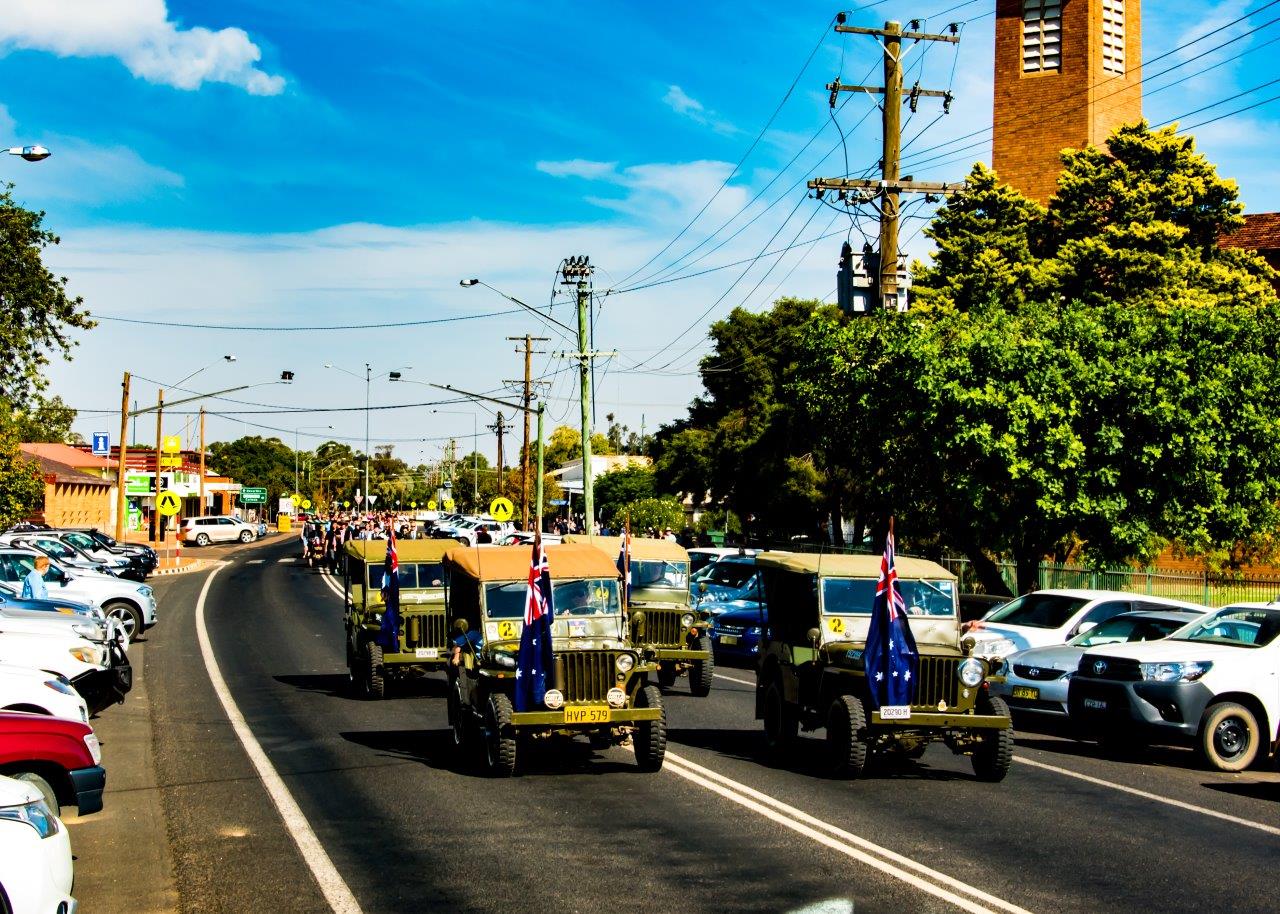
(59, 757)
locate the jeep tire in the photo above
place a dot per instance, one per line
(651, 735)
(702, 671)
(373, 682)
(993, 756)
(1229, 737)
(847, 737)
(666, 673)
(500, 737)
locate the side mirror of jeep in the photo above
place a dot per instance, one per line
(814, 635)
(702, 587)
(460, 626)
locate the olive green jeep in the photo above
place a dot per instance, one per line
(664, 625)
(811, 673)
(599, 686)
(424, 628)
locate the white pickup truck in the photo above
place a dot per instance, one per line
(1215, 683)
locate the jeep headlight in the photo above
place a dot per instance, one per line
(89, 655)
(625, 663)
(553, 699)
(617, 697)
(686, 620)
(37, 815)
(970, 673)
(504, 660)
(1175, 672)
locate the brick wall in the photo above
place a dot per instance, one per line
(76, 505)
(1037, 115)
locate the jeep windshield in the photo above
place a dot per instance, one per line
(659, 574)
(1234, 627)
(1038, 610)
(587, 597)
(411, 575)
(855, 597)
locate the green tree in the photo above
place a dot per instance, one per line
(46, 419)
(21, 485)
(255, 461)
(653, 515)
(621, 487)
(1112, 390)
(565, 445)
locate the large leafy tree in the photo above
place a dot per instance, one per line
(1093, 374)
(618, 489)
(255, 461)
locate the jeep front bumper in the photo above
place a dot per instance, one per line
(935, 720)
(557, 718)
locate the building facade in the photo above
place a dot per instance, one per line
(1067, 74)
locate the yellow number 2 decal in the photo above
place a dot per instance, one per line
(506, 630)
(837, 626)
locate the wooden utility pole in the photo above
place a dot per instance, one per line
(202, 510)
(576, 272)
(500, 428)
(121, 504)
(527, 401)
(890, 185)
(157, 522)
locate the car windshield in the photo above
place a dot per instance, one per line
(855, 596)
(1119, 629)
(674, 575)
(1235, 626)
(729, 574)
(1038, 610)
(81, 540)
(56, 549)
(590, 597)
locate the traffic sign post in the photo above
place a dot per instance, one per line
(501, 509)
(253, 496)
(101, 444)
(168, 503)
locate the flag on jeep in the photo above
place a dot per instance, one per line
(891, 658)
(535, 667)
(389, 635)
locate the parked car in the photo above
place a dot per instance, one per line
(702, 556)
(973, 606)
(1211, 684)
(469, 532)
(132, 604)
(100, 673)
(67, 556)
(38, 692)
(738, 630)
(217, 529)
(36, 869)
(1037, 679)
(142, 555)
(733, 577)
(1047, 617)
(60, 758)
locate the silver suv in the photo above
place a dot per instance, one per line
(219, 529)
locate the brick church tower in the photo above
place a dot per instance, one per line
(1067, 73)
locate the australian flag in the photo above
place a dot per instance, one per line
(891, 658)
(389, 636)
(535, 666)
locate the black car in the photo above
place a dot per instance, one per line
(142, 558)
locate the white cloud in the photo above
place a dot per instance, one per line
(578, 168)
(681, 102)
(144, 38)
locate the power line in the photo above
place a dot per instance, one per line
(279, 329)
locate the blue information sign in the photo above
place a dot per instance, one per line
(101, 444)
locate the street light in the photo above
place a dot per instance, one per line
(301, 428)
(225, 358)
(30, 153)
(467, 283)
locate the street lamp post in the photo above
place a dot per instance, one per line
(368, 377)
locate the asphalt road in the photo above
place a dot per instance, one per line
(409, 827)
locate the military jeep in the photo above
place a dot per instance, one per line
(663, 624)
(599, 686)
(811, 674)
(424, 628)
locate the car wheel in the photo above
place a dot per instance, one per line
(703, 671)
(847, 737)
(45, 788)
(500, 741)
(129, 617)
(666, 674)
(651, 735)
(202, 539)
(375, 685)
(994, 755)
(781, 725)
(1229, 736)
(246, 536)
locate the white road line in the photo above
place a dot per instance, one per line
(326, 874)
(749, 682)
(255, 561)
(287, 560)
(893, 864)
(1236, 820)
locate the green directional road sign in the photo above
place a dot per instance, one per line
(253, 496)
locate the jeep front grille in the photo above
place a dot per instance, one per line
(586, 676)
(937, 682)
(662, 627)
(425, 630)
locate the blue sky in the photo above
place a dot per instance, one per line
(301, 164)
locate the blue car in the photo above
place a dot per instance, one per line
(734, 577)
(738, 631)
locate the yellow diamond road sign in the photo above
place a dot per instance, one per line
(501, 509)
(168, 503)
(448, 504)
(431, 505)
